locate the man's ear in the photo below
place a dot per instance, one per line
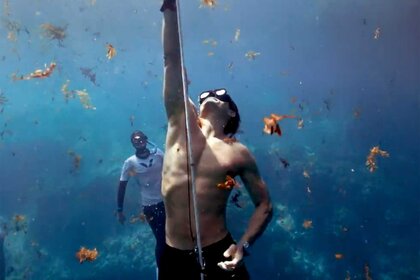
(232, 113)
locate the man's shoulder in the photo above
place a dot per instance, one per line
(242, 153)
(240, 147)
(159, 152)
(131, 158)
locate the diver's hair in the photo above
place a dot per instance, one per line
(232, 124)
(138, 133)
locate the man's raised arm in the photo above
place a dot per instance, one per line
(172, 87)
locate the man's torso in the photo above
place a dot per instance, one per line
(213, 159)
(147, 174)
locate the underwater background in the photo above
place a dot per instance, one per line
(348, 71)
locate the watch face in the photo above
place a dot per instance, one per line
(245, 245)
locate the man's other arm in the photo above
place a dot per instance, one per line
(258, 192)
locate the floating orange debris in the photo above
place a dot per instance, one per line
(19, 218)
(110, 51)
(209, 3)
(271, 126)
(65, 90)
(85, 99)
(19, 223)
(86, 255)
(300, 124)
(371, 158)
(228, 184)
(76, 159)
(82, 94)
(11, 36)
(307, 224)
(339, 256)
(251, 55)
(270, 123)
(38, 73)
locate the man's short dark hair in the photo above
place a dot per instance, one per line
(232, 125)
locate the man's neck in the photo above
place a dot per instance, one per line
(212, 128)
(142, 154)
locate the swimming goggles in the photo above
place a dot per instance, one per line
(139, 140)
(220, 94)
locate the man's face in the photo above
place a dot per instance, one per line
(215, 101)
(214, 105)
(139, 142)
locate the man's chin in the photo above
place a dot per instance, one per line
(211, 100)
(209, 104)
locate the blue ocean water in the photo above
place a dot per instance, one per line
(350, 70)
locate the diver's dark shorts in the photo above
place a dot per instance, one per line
(184, 264)
(155, 215)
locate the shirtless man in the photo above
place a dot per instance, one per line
(214, 159)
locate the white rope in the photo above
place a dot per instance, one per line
(188, 135)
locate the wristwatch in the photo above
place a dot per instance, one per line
(245, 245)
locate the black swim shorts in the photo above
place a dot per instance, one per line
(184, 264)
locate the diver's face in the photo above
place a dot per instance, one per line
(214, 105)
(139, 142)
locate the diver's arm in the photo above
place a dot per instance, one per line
(121, 194)
(259, 220)
(172, 87)
(258, 192)
(120, 201)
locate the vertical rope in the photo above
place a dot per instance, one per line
(191, 163)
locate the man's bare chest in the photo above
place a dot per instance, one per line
(218, 160)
